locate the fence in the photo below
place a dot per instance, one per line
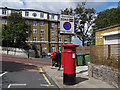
(17, 52)
(108, 55)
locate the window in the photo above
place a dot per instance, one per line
(53, 48)
(26, 13)
(42, 15)
(53, 39)
(27, 21)
(26, 31)
(4, 11)
(41, 23)
(65, 40)
(53, 24)
(12, 11)
(34, 23)
(52, 16)
(34, 31)
(58, 25)
(27, 39)
(58, 17)
(53, 32)
(4, 21)
(34, 14)
(41, 38)
(59, 48)
(41, 31)
(34, 39)
(59, 39)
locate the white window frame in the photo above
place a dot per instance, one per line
(34, 38)
(4, 11)
(41, 31)
(34, 23)
(59, 48)
(65, 40)
(26, 13)
(34, 31)
(59, 39)
(53, 48)
(53, 39)
(53, 32)
(41, 23)
(4, 21)
(41, 38)
(42, 15)
(27, 21)
(12, 11)
(53, 25)
(52, 16)
(27, 39)
(58, 25)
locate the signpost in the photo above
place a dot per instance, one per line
(66, 24)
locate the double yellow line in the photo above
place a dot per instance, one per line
(40, 70)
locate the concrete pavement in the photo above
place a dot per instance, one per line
(82, 78)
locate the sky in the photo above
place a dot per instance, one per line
(54, 6)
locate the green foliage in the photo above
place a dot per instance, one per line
(14, 33)
(107, 18)
(83, 17)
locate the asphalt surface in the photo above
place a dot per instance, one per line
(25, 73)
(26, 79)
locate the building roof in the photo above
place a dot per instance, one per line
(113, 26)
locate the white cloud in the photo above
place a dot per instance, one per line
(76, 41)
(112, 7)
(61, 0)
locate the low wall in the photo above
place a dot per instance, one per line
(104, 73)
(17, 52)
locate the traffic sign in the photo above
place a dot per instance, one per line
(66, 24)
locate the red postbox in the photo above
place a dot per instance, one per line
(69, 62)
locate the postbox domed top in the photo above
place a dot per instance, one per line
(69, 45)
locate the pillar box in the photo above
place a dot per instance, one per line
(69, 62)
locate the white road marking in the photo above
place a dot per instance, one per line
(3, 74)
(46, 85)
(9, 85)
(16, 85)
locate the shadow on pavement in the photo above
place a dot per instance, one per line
(80, 79)
(14, 66)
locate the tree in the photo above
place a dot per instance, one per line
(107, 18)
(14, 33)
(84, 18)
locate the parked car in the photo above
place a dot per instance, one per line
(43, 54)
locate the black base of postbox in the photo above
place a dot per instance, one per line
(69, 79)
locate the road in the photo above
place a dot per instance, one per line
(25, 73)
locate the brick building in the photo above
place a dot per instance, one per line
(45, 28)
(108, 35)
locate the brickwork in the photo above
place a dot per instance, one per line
(99, 38)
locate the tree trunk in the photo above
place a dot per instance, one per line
(83, 44)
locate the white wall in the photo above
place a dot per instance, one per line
(16, 52)
(55, 17)
(30, 15)
(0, 12)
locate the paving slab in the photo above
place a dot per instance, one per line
(82, 78)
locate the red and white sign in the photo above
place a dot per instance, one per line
(66, 24)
